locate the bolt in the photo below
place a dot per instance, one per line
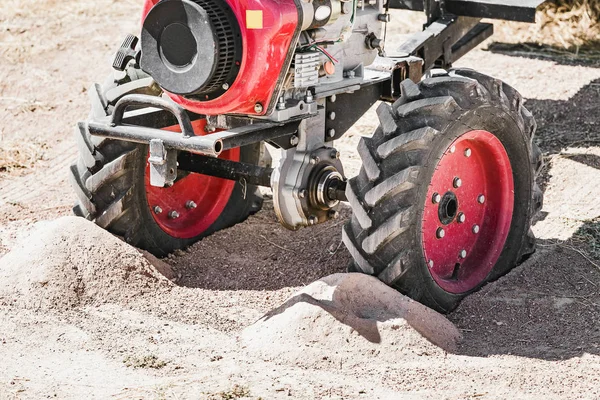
(467, 152)
(350, 74)
(461, 218)
(157, 210)
(457, 182)
(430, 263)
(332, 115)
(452, 149)
(462, 254)
(281, 103)
(258, 108)
(335, 154)
(333, 214)
(190, 205)
(173, 214)
(312, 220)
(225, 86)
(331, 132)
(309, 97)
(440, 233)
(333, 98)
(294, 140)
(384, 17)
(303, 193)
(210, 128)
(314, 160)
(481, 199)
(436, 198)
(475, 229)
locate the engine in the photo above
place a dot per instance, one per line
(257, 57)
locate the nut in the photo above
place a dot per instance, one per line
(440, 233)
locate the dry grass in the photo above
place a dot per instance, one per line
(17, 154)
(570, 25)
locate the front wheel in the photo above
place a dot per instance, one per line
(446, 195)
(112, 181)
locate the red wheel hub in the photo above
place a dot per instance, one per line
(468, 211)
(194, 202)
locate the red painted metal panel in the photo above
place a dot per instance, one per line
(264, 53)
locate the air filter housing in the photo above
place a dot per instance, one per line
(192, 47)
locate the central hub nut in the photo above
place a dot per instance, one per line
(448, 208)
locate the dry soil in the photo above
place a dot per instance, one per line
(109, 325)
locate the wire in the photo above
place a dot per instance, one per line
(331, 58)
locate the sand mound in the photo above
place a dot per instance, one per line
(352, 313)
(70, 262)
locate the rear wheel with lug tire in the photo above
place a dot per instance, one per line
(446, 196)
(111, 179)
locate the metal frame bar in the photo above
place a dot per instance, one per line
(510, 10)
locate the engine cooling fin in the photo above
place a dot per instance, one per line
(192, 47)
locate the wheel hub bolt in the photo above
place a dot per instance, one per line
(302, 194)
(463, 253)
(461, 218)
(157, 210)
(173, 214)
(331, 132)
(333, 214)
(467, 152)
(481, 199)
(475, 228)
(332, 115)
(190, 205)
(312, 220)
(436, 198)
(335, 154)
(314, 160)
(457, 182)
(440, 233)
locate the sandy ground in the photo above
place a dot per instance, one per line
(532, 334)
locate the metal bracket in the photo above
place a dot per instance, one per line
(446, 40)
(163, 164)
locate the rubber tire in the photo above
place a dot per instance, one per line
(108, 178)
(387, 197)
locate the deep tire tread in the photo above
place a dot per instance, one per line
(408, 130)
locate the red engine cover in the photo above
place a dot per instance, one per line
(268, 28)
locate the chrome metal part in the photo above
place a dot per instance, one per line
(163, 164)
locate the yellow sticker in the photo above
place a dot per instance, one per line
(254, 19)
